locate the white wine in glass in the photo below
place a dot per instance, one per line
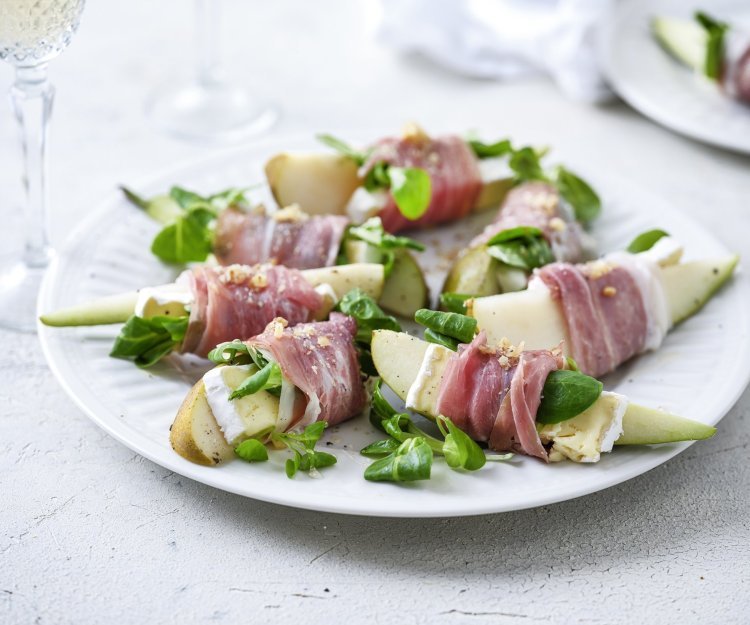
(209, 107)
(32, 32)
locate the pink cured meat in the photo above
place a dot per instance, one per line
(320, 359)
(239, 301)
(295, 240)
(515, 427)
(538, 204)
(603, 310)
(453, 170)
(741, 78)
(493, 394)
(473, 386)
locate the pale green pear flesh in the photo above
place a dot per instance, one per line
(398, 356)
(107, 310)
(686, 40)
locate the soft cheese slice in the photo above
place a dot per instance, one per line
(244, 417)
(423, 393)
(586, 436)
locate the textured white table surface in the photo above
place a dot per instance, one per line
(93, 533)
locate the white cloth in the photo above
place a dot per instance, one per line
(504, 38)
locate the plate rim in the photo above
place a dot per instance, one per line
(640, 101)
(211, 477)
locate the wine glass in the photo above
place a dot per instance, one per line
(32, 32)
(209, 108)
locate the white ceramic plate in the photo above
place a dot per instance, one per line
(698, 373)
(662, 89)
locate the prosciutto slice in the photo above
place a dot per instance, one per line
(453, 170)
(288, 237)
(240, 300)
(538, 204)
(735, 78)
(321, 361)
(604, 311)
(493, 394)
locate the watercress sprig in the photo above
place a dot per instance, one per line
(146, 341)
(523, 247)
(567, 394)
(305, 456)
(646, 240)
(188, 220)
(716, 32)
(410, 187)
(448, 324)
(386, 244)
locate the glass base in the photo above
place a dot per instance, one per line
(19, 287)
(215, 112)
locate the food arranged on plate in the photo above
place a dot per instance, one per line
(291, 306)
(210, 305)
(713, 49)
(224, 227)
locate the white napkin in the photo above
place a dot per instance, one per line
(504, 38)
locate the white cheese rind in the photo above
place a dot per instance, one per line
(365, 204)
(424, 375)
(225, 411)
(154, 299)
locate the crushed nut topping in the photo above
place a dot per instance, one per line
(557, 224)
(292, 213)
(609, 291)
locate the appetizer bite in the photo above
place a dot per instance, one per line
(608, 310)
(226, 227)
(713, 49)
(210, 305)
(533, 402)
(410, 181)
(284, 379)
(534, 227)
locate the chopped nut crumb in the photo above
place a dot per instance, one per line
(609, 291)
(557, 224)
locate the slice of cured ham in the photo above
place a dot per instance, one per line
(321, 361)
(493, 393)
(289, 237)
(604, 310)
(453, 170)
(538, 204)
(239, 301)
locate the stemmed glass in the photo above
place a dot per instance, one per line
(32, 32)
(209, 108)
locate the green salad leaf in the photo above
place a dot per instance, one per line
(252, 450)
(386, 244)
(380, 448)
(454, 325)
(146, 341)
(441, 339)
(578, 193)
(567, 394)
(523, 247)
(527, 165)
(411, 188)
(266, 379)
(305, 457)
(455, 302)
(460, 451)
(368, 315)
(411, 461)
(646, 240)
(358, 156)
(715, 45)
(490, 150)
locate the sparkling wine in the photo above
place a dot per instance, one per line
(34, 31)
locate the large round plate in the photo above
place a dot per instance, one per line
(697, 373)
(662, 89)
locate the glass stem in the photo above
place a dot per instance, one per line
(31, 97)
(207, 22)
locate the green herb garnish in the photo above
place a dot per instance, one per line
(523, 247)
(343, 148)
(441, 339)
(567, 394)
(454, 325)
(146, 341)
(386, 244)
(252, 450)
(490, 150)
(716, 32)
(455, 302)
(411, 461)
(266, 379)
(578, 193)
(303, 447)
(646, 240)
(368, 315)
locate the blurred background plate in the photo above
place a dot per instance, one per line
(652, 82)
(697, 373)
